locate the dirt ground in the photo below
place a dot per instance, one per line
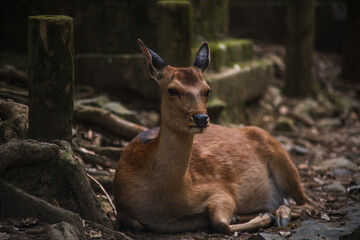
(320, 132)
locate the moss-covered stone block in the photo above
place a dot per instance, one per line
(239, 84)
(225, 53)
(174, 32)
(114, 72)
(214, 108)
(211, 19)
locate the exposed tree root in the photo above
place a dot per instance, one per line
(70, 168)
(107, 121)
(16, 202)
(15, 120)
(22, 152)
(94, 159)
(75, 175)
(10, 72)
(15, 95)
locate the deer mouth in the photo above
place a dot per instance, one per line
(197, 129)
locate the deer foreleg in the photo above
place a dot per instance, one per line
(261, 221)
(221, 210)
(283, 216)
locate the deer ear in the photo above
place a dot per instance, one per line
(202, 57)
(154, 62)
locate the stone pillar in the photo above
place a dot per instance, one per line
(300, 22)
(174, 32)
(211, 18)
(51, 77)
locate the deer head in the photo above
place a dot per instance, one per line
(184, 91)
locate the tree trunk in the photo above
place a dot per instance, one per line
(351, 49)
(299, 46)
(175, 32)
(51, 77)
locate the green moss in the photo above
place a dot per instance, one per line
(211, 17)
(226, 52)
(50, 17)
(175, 2)
(175, 32)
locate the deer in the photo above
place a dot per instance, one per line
(189, 174)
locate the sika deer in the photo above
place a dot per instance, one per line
(189, 174)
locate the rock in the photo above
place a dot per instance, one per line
(341, 172)
(345, 104)
(337, 163)
(285, 125)
(319, 231)
(303, 109)
(273, 96)
(268, 236)
(278, 62)
(120, 110)
(64, 231)
(325, 107)
(300, 150)
(335, 186)
(329, 123)
(114, 107)
(315, 231)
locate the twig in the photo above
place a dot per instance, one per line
(104, 191)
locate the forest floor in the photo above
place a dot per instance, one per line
(320, 132)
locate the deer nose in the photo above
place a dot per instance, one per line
(201, 120)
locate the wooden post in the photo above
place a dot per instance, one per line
(175, 32)
(51, 77)
(299, 46)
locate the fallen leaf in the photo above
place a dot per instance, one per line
(325, 217)
(284, 233)
(94, 234)
(16, 228)
(28, 221)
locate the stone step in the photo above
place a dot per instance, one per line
(224, 53)
(234, 85)
(242, 82)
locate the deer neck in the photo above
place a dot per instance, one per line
(173, 152)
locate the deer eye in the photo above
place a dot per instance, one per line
(207, 93)
(173, 92)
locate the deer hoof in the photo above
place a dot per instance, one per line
(220, 227)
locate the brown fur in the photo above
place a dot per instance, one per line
(172, 180)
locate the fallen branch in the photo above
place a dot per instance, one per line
(107, 121)
(110, 152)
(11, 72)
(104, 191)
(94, 159)
(106, 181)
(15, 201)
(16, 96)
